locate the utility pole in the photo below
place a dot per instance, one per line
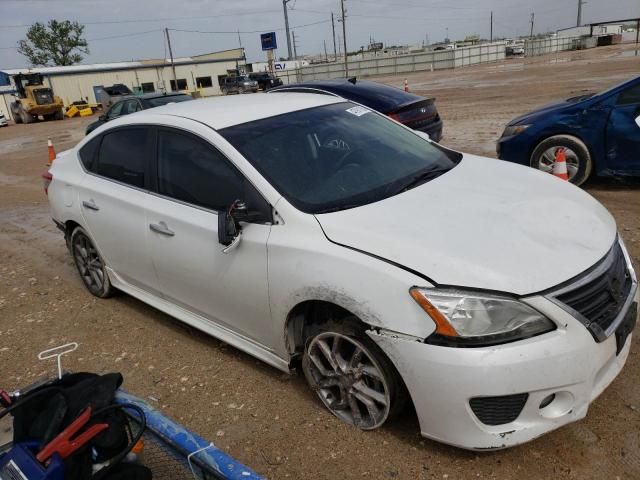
(326, 58)
(579, 22)
(295, 52)
(239, 39)
(173, 67)
(286, 27)
(344, 40)
(491, 34)
(533, 18)
(333, 28)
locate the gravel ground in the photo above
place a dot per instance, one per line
(265, 418)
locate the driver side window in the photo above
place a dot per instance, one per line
(192, 171)
(115, 111)
(630, 96)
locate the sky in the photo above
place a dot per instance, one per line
(120, 30)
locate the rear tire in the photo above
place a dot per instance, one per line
(579, 162)
(58, 115)
(352, 376)
(90, 264)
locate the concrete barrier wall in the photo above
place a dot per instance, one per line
(415, 62)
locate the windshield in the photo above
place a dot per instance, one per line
(337, 156)
(159, 101)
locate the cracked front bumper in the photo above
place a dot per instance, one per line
(566, 365)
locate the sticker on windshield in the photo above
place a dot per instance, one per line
(358, 111)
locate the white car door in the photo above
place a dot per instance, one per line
(194, 182)
(113, 196)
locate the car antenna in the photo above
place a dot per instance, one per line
(352, 80)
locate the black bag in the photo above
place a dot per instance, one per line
(43, 412)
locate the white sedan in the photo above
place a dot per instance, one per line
(308, 230)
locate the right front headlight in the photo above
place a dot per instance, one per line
(471, 319)
(512, 130)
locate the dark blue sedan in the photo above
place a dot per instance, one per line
(600, 134)
(414, 111)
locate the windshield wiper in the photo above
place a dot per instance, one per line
(420, 178)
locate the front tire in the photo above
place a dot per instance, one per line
(352, 377)
(579, 162)
(90, 264)
(26, 117)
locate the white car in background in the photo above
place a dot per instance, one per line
(308, 230)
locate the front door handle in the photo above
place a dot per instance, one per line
(90, 205)
(161, 228)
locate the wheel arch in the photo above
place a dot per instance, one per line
(307, 314)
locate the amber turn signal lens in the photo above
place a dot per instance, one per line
(443, 327)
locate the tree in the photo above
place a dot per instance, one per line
(57, 43)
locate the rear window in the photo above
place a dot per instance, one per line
(88, 154)
(124, 155)
(159, 101)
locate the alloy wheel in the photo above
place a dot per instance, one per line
(348, 380)
(548, 159)
(89, 263)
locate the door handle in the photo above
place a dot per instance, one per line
(161, 228)
(90, 205)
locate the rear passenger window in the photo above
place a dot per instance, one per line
(193, 171)
(124, 154)
(88, 154)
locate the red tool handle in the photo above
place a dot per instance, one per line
(63, 445)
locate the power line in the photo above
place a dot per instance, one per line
(124, 35)
(151, 20)
(235, 32)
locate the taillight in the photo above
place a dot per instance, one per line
(394, 116)
(46, 181)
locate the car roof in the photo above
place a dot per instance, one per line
(222, 112)
(378, 96)
(147, 96)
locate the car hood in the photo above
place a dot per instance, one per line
(486, 224)
(538, 112)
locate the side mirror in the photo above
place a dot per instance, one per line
(423, 135)
(229, 230)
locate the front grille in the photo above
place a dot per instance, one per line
(600, 299)
(498, 410)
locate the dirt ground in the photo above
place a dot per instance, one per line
(265, 418)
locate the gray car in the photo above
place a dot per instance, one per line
(238, 84)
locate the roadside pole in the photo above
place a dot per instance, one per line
(173, 67)
(344, 40)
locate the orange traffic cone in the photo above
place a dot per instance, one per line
(406, 85)
(560, 165)
(52, 152)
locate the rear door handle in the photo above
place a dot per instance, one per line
(90, 205)
(161, 228)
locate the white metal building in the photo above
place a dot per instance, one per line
(78, 82)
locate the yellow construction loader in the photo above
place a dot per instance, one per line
(34, 99)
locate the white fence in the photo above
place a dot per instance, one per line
(543, 46)
(392, 65)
